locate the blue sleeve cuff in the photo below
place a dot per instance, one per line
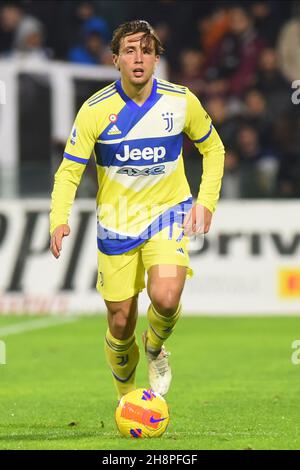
(84, 161)
(198, 141)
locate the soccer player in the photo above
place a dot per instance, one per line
(134, 129)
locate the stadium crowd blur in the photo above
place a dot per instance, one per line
(240, 59)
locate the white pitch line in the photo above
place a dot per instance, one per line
(38, 324)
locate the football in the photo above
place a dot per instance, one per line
(142, 413)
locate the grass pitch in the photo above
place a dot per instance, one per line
(234, 386)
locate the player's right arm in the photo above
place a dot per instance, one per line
(56, 239)
(78, 150)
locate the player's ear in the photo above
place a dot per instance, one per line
(115, 59)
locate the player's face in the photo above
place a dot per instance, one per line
(137, 59)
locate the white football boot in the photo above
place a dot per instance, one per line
(159, 370)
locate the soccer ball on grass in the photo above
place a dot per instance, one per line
(142, 413)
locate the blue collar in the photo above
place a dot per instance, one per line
(149, 101)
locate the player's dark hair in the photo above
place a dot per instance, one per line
(132, 27)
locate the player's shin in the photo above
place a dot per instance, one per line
(122, 357)
(160, 328)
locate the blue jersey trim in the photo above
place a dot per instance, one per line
(127, 118)
(149, 101)
(204, 137)
(113, 243)
(68, 156)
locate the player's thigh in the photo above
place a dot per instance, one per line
(165, 285)
(167, 274)
(166, 260)
(168, 248)
(120, 277)
(128, 306)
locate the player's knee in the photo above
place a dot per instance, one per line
(121, 320)
(119, 324)
(166, 301)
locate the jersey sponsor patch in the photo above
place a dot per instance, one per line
(152, 171)
(73, 135)
(113, 117)
(147, 153)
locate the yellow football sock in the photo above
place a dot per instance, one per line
(160, 328)
(122, 357)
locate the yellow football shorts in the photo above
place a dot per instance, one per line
(123, 276)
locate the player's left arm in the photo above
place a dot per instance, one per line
(199, 128)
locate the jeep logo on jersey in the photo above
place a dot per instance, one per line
(148, 153)
(154, 170)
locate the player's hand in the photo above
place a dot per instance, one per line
(56, 239)
(197, 221)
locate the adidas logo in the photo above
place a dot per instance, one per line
(114, 130)
(180, 250)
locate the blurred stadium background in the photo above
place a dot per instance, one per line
(242, 60)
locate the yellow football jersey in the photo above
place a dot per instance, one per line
(138, 153)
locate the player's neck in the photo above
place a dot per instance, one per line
(138, 93)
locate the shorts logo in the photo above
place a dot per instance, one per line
(148, 153)
(113, 117)
(101, 279)
(153, 171)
